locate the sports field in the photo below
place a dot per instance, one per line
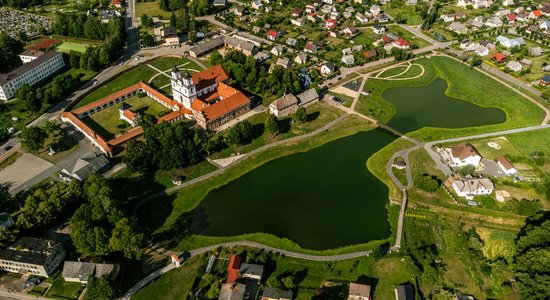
(66, 47)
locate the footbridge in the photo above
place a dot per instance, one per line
(396, 132)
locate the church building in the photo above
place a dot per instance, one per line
(207, 95)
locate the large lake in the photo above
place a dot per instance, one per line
(326, 197)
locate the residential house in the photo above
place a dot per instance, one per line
(232, 291)
(379, 29)
(348, 59)
(535, 14)
(463, 154)
(510, 42)
(545, 80)
(331, 24)
(467, 44)
(358, 291)
(514, 66)
(308, 97)
(240, 11)
(310, 48)
(219, 2)
(328, 69)
(234, 42)
(300, 22)
(411, 2)
(284, 106)
(381, 17)
(458, 27)
(283, 62)
(544, 25)
(506, 165)
(273, 35)
(350, 30)
(511, 18)
(278, 50)
(476, 22)
(375, 9)
(361, 18)
(310, 9)
(270, 293)
(469, 187)
(76, 271)
(448, 18)
(535, 51)
(32, 256)
(508, 2)
(6, 221)
(233, 269)
(526, 62)
(256, 29)
(335, 15)
(404, 292)
(494, 22)
(301, 58)
(532, 29)
(297, 12)
(291, 42)
(481, 50)
(502, 13)
(401, 43)
(369, 54)
(252, 271)
(257, 5)
(313, 17)
(262, 56)
(487, 44)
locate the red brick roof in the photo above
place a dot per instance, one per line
(272, 33)
(402, 42)
(89, 131)
(498, 57)
(231, 100)
(233, 269)
(130, 114)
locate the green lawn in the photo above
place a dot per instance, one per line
(409, 36)
(464, 84)
(107, 121)
(393, 71)
(66, 47)
(63, 290)
(175, 284)
(497, 243)
(363, 38)
(347, 99)
(151, 9)
(318, 115)
(413, 71)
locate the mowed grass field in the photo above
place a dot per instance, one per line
(463, 83)
(107, 121)
(67, 47)
(142, 72)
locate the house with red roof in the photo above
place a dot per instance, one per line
(116, 3)
(330, 24)
(499, 57)
(511, 18)
(233, 269)
(401, 43)
(273, 35)
(535, 14)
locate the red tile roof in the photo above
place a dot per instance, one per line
(505, 162)
(130, 114)
(498, 57)
(272, 33)
(89, 131)
(511, 17)
(233, 269)
(537, 13)
(208, 77)
(231, 99)
(402, 42)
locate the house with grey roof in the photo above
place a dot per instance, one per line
(232, 291)
(514, 66)
(468, 187)
(301, 58)
(291, 42)
(252, 271)
(206, 47)
(77, 271)
(284, 106)
(308, 97)
(32, 256)
(85, 166)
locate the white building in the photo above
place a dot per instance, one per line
(462, 155)
(509, 42)
(36, 70)
(32, 256)
(506, 165)
(514, 66)
(469, 187)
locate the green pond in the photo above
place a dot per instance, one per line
(428, 106)
(326, 197)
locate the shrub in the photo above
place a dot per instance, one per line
(427, 183)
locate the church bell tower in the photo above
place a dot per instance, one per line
(183, 88)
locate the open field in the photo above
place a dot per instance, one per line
(393, 71)
(151, 9)
(67, 47)
(464, 84)
(62, 289)
(410, 37)
(108, 123)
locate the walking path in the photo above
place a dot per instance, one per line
(203, 250)
(393, 77)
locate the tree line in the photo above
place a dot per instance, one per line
(9, 50)
(21, 3)
(36, 98)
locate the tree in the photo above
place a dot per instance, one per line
(288, 282)
(476, 61)
(213, 292)
(240, 134)
(173, 19)
(467, 170)
(216, 58)
(100, 288)
(27, 94)
(272, 125)
(426, 183)
(74, 59)
(125, 239)
(137, 157)
(5, 196)
(300, 116)
(531, 267)
(9, 49)
(32, 138)
(147, 40)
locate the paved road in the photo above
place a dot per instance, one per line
(14, 296)
(199, 251)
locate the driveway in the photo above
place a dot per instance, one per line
(26, 171)
(491, 168)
